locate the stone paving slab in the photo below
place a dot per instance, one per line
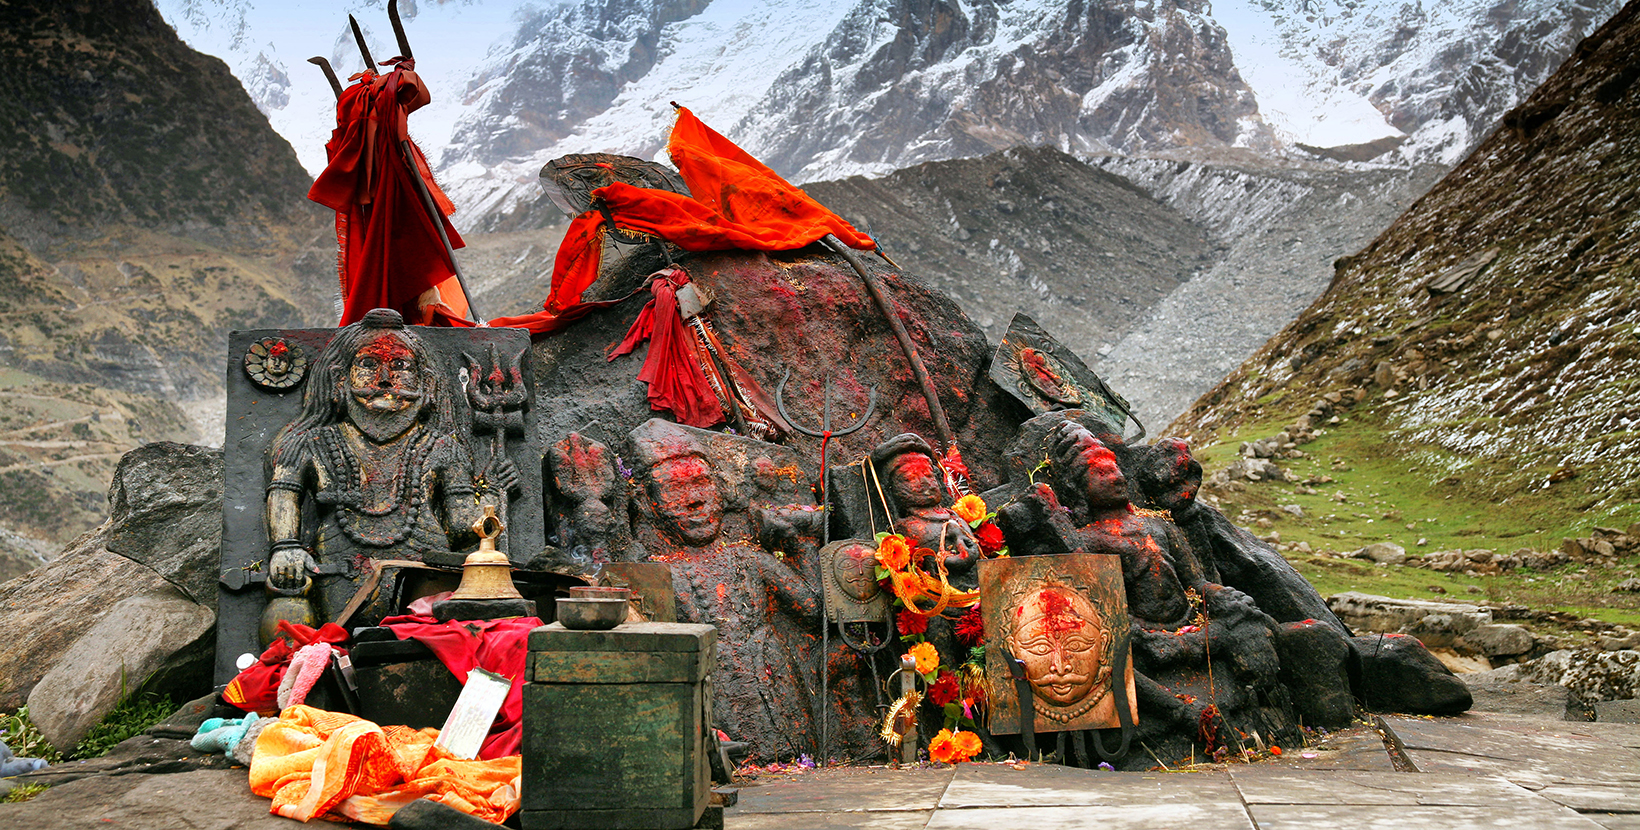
(1401, 816)
(1049, 785)
(1357, 749)
(1525, 750)
(875, 820)
(1615, 821)
(1127, 817)
(1324, 787)
(846, 790)
(1594, 797)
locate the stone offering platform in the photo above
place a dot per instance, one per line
(1480, 770)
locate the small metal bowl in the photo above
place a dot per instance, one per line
(591, 613)
(595, 592)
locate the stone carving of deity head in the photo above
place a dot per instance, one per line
(908, 470)
(1086, 469)
(377, 375)
(680, 482)
(1062, 640)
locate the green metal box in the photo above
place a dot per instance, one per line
(615, 727)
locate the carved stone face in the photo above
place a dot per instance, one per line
(277, 364)
(914, 481)
(1060, 639)
(1105, 484)
(686, 499)
(856, 572)
(384, 391)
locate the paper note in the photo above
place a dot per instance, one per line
(469, 721)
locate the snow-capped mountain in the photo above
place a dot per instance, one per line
(820, 91)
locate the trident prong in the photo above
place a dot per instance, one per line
(825, 430)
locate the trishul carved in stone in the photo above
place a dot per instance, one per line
(497, 396)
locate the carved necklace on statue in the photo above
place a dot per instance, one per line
(368, 516)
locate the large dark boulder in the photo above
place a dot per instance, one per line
(1398, 674)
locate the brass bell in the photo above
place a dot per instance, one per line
(486, 573)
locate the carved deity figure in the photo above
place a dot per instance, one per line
(372, 468)
(765, 608)
(910, 473)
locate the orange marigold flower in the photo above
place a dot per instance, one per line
(943, 748)
(894, 553)
(967, 745)
(1275, 750)
(970, 507)
(928, 659)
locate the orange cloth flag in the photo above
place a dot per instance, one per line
(738, 202)
(746, 192)
(313, 762)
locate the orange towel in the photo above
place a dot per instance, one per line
(312, 762)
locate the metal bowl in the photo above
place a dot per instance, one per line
(591, 613)
(591, 592)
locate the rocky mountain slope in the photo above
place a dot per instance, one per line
(1278, 225)
(145, 210)
(1492, 329)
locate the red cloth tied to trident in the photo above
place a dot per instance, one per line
(388, 250)
(738, 203)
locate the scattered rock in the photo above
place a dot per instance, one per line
(1593, 675)
(1296, 511)
(1384, 553)
(1500, 640)
(1461, 664)
(1366, 612)
(165, 511)
(1628, 585)
(1314, 668)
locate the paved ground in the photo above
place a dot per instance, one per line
(1477, 771)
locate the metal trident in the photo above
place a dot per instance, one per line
(825, 434)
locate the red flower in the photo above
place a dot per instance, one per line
(971, 628)
(944, 690)
(990, 538)
(911, 623)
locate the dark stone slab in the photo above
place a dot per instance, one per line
(1260, 784)
(1528, 751)
(423, 814)
(1399, 675)
(255, 415)
(1617, 711)
(143, 754)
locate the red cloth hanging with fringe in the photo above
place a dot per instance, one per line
(671, 368)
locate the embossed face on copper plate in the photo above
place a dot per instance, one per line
(855, 568)
(1058, 636)
(686, 499)
(914, 480)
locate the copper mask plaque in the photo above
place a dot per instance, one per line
(1062, 617)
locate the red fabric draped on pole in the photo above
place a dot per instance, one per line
(738, 202)
(389, 253)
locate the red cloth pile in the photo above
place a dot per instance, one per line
(256, 688)
(498, 646)
(389, 253)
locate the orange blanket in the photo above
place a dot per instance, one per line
(312, 762)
